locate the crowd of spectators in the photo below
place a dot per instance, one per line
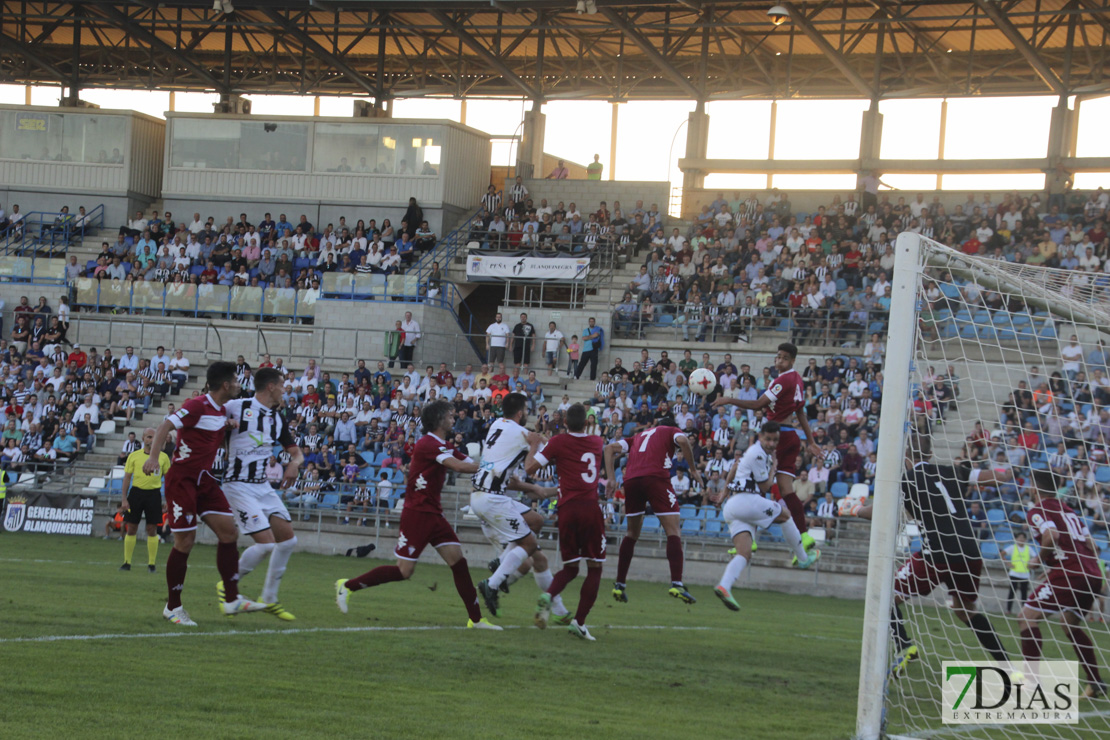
(56, 396)
(514, 221)
(357, 428)
(266, 253)
(754, 263)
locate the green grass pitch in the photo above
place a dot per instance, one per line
(400, 666)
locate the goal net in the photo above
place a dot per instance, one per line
(1000, 377)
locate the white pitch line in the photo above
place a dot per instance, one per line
(307, 630)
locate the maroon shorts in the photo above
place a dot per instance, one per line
(787, 452)
(418, 530)
(581, 531)
(190, 496)
(638, 492)
(919, 575)
(1062, 592)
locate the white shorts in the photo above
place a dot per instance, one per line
(254, 504)
(746, 512)
(502, 517)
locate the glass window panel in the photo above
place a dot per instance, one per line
(280, 301)
(997, 128)
(1092, 180)
(213, 298)
(103, 139)
(814, 182)
(205, 143)
(818, 129)
(1008, 183)
(31, 135)
(911, 129)
(148, 295)
(246, 299)
(115, 293)
(345, 147)
(1092, 140)
(915, 181)
(306, 303)
(87, 291)
(366, 285)
(336, 282)
(278, 146)
(181, 297)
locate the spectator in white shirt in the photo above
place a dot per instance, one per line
(680, 484)
(412, 336)
(128, 363)
(88, 407)
(179, 369)
(1072, 356)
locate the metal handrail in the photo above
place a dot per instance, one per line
(44, 221)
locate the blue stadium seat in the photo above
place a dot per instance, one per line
(196, 270)
(1048, 332)
(651, 524)
(716, 528)
(774, 533)
(688, 511)
(664, 319)
(875, 327)
(841, 285)
(915, 544)
(839, 489)
(996, 517)
(368, 456)
(1102, 474)
(378, 458)
(691, 526)
(989, 550)
(329, 501)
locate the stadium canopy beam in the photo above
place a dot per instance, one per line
(1096, 13)
(834, 56)
(492, 59)
(309, 44)
(652, 53)
(7, 42)
(1022, 46)
(130, 25)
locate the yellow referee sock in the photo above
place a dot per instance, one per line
(152, 549)
(129, 541)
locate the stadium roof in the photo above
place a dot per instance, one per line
(628, 50)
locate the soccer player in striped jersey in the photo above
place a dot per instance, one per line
(256, 428)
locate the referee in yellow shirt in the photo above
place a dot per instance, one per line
(142, 495)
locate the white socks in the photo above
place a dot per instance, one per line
(252, 556)
(278, 561)
(733, 570)
(544, 580)
(793, 538)
(510, 561)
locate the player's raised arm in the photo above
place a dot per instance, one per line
(456, 465)
(150, 467)
(535, 442)
(609, 453)
(759, 403)
(293, 468)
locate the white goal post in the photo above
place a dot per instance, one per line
(1017, 353)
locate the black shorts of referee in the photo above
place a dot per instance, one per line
(144, 501)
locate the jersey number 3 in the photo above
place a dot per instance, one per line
(591, 467)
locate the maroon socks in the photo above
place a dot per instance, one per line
(177, 565)
(378, 576)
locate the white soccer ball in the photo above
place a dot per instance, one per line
(832, 459)
(702, 381)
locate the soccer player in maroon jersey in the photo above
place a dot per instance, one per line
(581, 525)
(1073, 582)
(784, 400)
(193, 494)
(422, 520)
(647, 479)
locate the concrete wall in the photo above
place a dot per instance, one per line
(587, 194)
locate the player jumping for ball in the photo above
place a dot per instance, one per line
(784, 400)
(256, 427)
(748, 508)
(422, 520)
(193, 495)
(934, 496)
(647, 479)
(575, 456)
(1073, 582)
